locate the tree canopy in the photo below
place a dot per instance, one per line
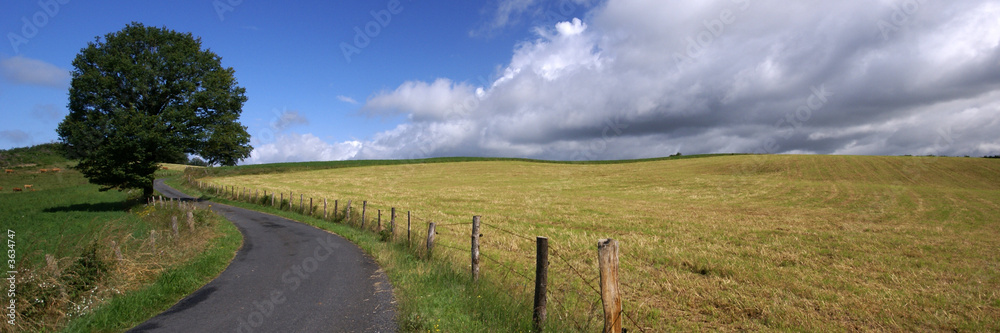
(145, 95)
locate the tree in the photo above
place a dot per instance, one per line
(144, 96)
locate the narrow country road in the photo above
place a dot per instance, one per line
(287, 277)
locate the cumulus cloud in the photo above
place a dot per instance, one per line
(22, 70)
(288, 118)
(295, 147)
(641, 78)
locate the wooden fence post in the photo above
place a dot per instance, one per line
(607, 258)
(378, 227)
(392, 223)
(475, 248)
(364, 206)
(302, 207)
(407, 227)
(324, 209)
(291, 200)
(281, 200)
(310, 213)
(272, 199)
(430, 239)
(541, 281)
(190, 220)
(335, 204)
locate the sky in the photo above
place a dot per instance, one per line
(556, 79)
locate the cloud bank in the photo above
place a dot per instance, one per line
(645, 78)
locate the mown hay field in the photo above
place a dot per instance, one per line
(723, 243)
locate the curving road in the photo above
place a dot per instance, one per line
(287, 277)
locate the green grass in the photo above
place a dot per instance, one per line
(817, 243)
(125, 311)
(61, 215)
(68, 274)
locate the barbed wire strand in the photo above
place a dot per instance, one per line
(509, 232)
(507, 267)
(452, 224)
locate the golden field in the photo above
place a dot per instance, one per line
(760, 242)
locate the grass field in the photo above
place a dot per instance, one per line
(723, 243)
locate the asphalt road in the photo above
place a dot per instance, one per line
(287, 277)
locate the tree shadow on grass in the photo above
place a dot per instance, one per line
(90, 207)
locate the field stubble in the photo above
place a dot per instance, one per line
(725, 243)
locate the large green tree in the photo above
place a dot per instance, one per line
(146, 95)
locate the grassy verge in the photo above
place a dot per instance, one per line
(129, 309)
(434, 295)
(85, 260)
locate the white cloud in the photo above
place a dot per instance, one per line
(22, 70)
(295, 147)
(642, 78)
(346, 99)
(424, 101)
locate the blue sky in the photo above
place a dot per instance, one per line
(560, 79)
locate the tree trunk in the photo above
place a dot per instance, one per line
(147, 192)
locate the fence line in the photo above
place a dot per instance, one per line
(565, 289)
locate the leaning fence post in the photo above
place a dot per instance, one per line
(347, 212)
(364, 206)
(173, 225)
(541, 281)
(607, 258)
(475, 248)
(430, 239)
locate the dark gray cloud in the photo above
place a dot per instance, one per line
(642, 78)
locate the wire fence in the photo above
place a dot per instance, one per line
(574, 282)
